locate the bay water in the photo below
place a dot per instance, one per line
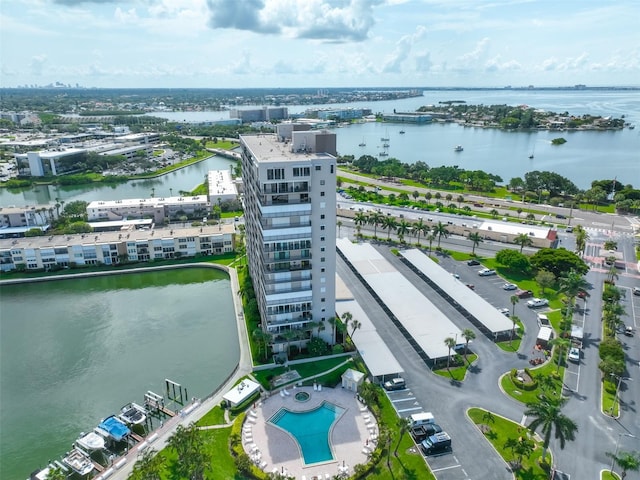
(73, 352)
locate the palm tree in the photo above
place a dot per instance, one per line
(524, 448)
(402, 229)
(190, 449)
(428, 196)
(389, 224)
(56, 473)
(514, 323)
(415, 194)
(148, 467)
(403, 426)
(420, 228)
(360, 219)
(339, 225)
(476, 239)
(581, 238)
(523, 240)
(450, 343)
(440, 230)
(460, 199)
(355, 325)
(561, 345)
(260, 338)
(375, 219)
(494, 213)
(332, 322)
(431, 237)
(514, 300)
(468, 335)
(289, 335)
(628, 461)
(547, 414)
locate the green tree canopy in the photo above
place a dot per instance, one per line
(514, 260)
(558, 261)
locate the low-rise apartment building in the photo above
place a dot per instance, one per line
(112, 248)
(159, 209)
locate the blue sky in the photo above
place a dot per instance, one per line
(319, 43)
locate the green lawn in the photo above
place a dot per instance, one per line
(215, 416)
(499, 430)
(608, 396)
(312, 367)
(457, 373)
(607, 475)
(524, 396)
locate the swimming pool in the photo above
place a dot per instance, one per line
(311, 429)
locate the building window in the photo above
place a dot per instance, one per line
(322, 259)
(322, 239)
(322, 217)
(321, 227)
(331, 168)
(322, 300)
(318, 168)
(322, 194)
(322, 249)
(322, 270)
(321, 182)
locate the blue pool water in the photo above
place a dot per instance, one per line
(310, 429)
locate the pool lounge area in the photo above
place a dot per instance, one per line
(350, 427)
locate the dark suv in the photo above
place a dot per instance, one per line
(422, 432)
(440, 442)
(473, 262)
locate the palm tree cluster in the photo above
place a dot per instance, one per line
(193, 459)
(547, 415)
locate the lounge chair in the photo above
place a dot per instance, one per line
(263, 465)
(366, 451)
(319, 387)
(286, 392)
(281, 393)
(315, 387)
(253, 413)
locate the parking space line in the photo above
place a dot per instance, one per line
(410, 399)
(447, 468)
(409, 409)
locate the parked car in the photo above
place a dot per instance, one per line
(569, 229)
(636, 290)
(422, 432)
(473, 262)
(440, 442)
(523, 293)
(582, 294)
(537, 302)
(509, 286)
(486, 272)
(558, 215)
(574, 355)
(505, 311)
(395, 384)
(471, 286)
(628, 331)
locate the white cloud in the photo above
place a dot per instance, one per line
(37, 64)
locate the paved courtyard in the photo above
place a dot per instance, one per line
(352, 435)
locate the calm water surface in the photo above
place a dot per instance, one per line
(73, 352)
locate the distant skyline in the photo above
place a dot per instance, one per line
(319, 43)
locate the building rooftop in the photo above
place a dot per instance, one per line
(153, 201)
(267, 148)
(112, 237)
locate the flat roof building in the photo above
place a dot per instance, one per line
(221, 186)
(290, 217)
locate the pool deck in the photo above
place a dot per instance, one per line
(279, 451)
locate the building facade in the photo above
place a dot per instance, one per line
(112, 248)
(160, 209)
(290, 218)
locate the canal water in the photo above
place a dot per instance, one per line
(74, 351)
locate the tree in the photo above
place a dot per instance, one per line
(561, 345)
(421, 228)
(460, 199)
(189, 446)
(402, 229)
(547, 415)
(558, 261)
(514, 299)
(403, 426)
(332, 322)
(513, 260)
(441, 231)
(545, 279)
(494, 213)
(627, 461)
(360, 219)
(148, 467)
(375, 219)
(431, 237)
(468, 335)
(450, 343)
(56, 473)
(289, 336)
(476, 239)
(428, 196)
(610, 245)
(355, 325)
(524, 448)
(339, 225)
(581, 238)
(262, 340)
(389, 225)
(523, 240)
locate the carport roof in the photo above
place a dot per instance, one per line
(485, 313)
(424, 322)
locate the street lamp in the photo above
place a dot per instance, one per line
(613, 459)
(615, 396)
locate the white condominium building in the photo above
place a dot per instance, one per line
(290, 216)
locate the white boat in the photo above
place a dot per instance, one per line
(383, 154)
(133, 414)
(458, 148)
(90, 442)
(44, 473)
(362, 144)
(78, 462)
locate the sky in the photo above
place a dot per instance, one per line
(319, 43)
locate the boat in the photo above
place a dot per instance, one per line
(114, 428)
(79, 462)
(385, 138)
(90, 442)
(383, 154)
(632, 126)
(402, 132)
(362, 144)
(532, 152)
(385, 145)
(458, 148)
(44, 473)
(133, 414)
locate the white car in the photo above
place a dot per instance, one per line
(486, 272)
(574, 355)
(504, 311)
(537, 302)
(509, 286)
